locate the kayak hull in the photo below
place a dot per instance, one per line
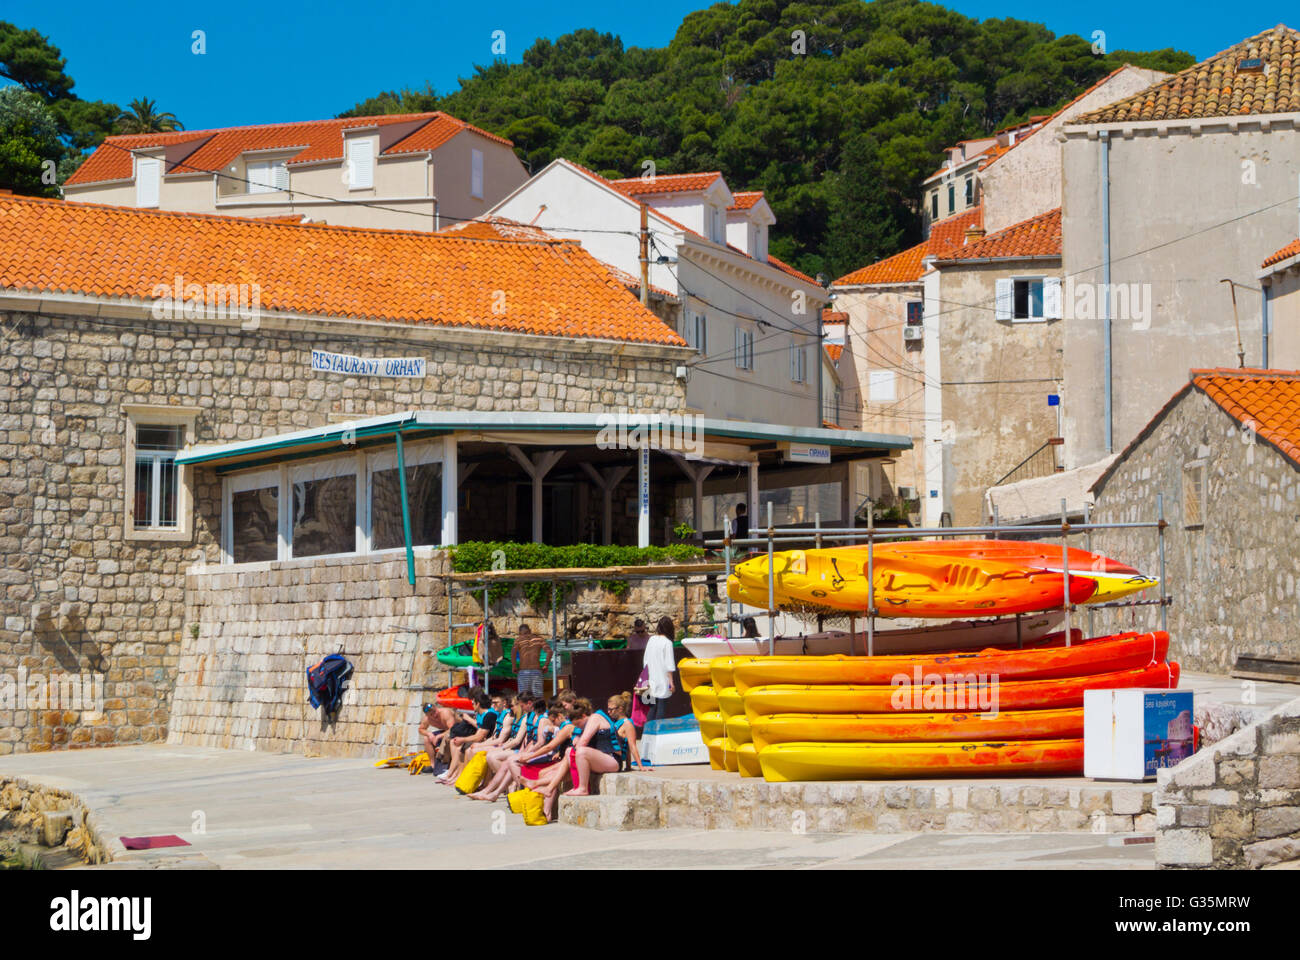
(1128, 651)
(731, 703)
(1013, 695)
(738, 729)
(872, 761)
(747, 762)
(1063, 724)
(693, 673)
(704, 700)
(712, 726)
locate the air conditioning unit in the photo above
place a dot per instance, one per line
(907, 493)
(913, 334)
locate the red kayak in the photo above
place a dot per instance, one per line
(1124, 651)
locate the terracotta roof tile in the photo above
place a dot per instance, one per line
(834, 351)
(906, 267)
(1219, 87)
(315, 140)
(745, 199)
(1266, 400)
(665, 183)
(1038, 236)
(1292, 249)
(786, 268)
(551, 288)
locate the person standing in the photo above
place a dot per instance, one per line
(639, 637)
(528, 661)
(660, 666)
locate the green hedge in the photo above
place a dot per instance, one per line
(478, 556)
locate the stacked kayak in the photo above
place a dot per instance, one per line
(957, 578)
(995, 711)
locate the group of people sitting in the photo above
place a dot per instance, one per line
(519, 742)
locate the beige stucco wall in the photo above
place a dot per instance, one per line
(1026, 181)
(996, 379)
(502, 173)
(877, 316)
(1181, 219)
(1284, 339)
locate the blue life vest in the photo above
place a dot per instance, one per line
(609, 740)
(530, 727)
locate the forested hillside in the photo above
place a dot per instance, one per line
(836, 109)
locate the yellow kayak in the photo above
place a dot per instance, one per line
(870, 761)
(720, 670)
(693, 673)
(712, 726)
(731, 703)
(703, 700)
(747, 761)
(738, 729)
(1063, 724)
(730, 761)
(715, 754)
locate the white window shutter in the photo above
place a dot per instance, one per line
(476, 174)
(360, 165)
(148, 171)
(1052, 298)
(740, 349)
(280, 175)
(1005, 299)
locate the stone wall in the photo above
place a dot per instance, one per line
(1235, 805)
(636, 801)
(116, 605)
(1233, 579)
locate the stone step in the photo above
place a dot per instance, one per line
(610, 812)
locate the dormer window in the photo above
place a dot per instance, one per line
(148, 176)
(267, 176)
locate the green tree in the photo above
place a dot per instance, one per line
(31, 61)
(143, 117)
(30, 150)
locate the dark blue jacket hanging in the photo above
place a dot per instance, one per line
(327, 680)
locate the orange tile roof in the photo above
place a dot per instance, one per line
(664, 183)
(316, 140)
(497, 228)
(834, 351)
(1292, 249)
(552, 288)
(1217, 87)
(786, 268)
(906, 267)
(745, 199)
(1266, 400)
(1038, 236)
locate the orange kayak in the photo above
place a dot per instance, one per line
(1065, 724)
(1125, 651)
(906, 585)
(870, 761)
(1114, 579)
(957, 696)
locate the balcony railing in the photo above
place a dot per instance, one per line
(1041, 463)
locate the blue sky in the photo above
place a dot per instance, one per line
(302, 61)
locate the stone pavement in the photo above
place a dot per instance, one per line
(263, 811)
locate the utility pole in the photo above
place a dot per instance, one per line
(645, 255)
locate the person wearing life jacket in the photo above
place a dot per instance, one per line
(486, 721)
(608, 744)
(508, 725)
(551, 779)
(533, 729)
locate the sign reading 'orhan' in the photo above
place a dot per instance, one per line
(364, 367)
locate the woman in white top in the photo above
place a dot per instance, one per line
(660, 664)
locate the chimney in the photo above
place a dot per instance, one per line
(973, 233)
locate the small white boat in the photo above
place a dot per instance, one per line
(956, 635)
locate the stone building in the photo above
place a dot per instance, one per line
(1225, 454)
(205, 423)
(1167, 194)
(99, 390)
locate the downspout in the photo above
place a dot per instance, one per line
(1267, 317)
(821, 370)
(1105, 286)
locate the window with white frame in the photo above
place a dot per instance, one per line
(157, 480)
(744, 346)
(345, 504)
(1028, 299)
(251, 518)
(798, 362)
(267, 176)
(970, 191)
(423, 497)
(157, 495)
(361, 163)
(323, 508)
(1194, 494)
(476, 174)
